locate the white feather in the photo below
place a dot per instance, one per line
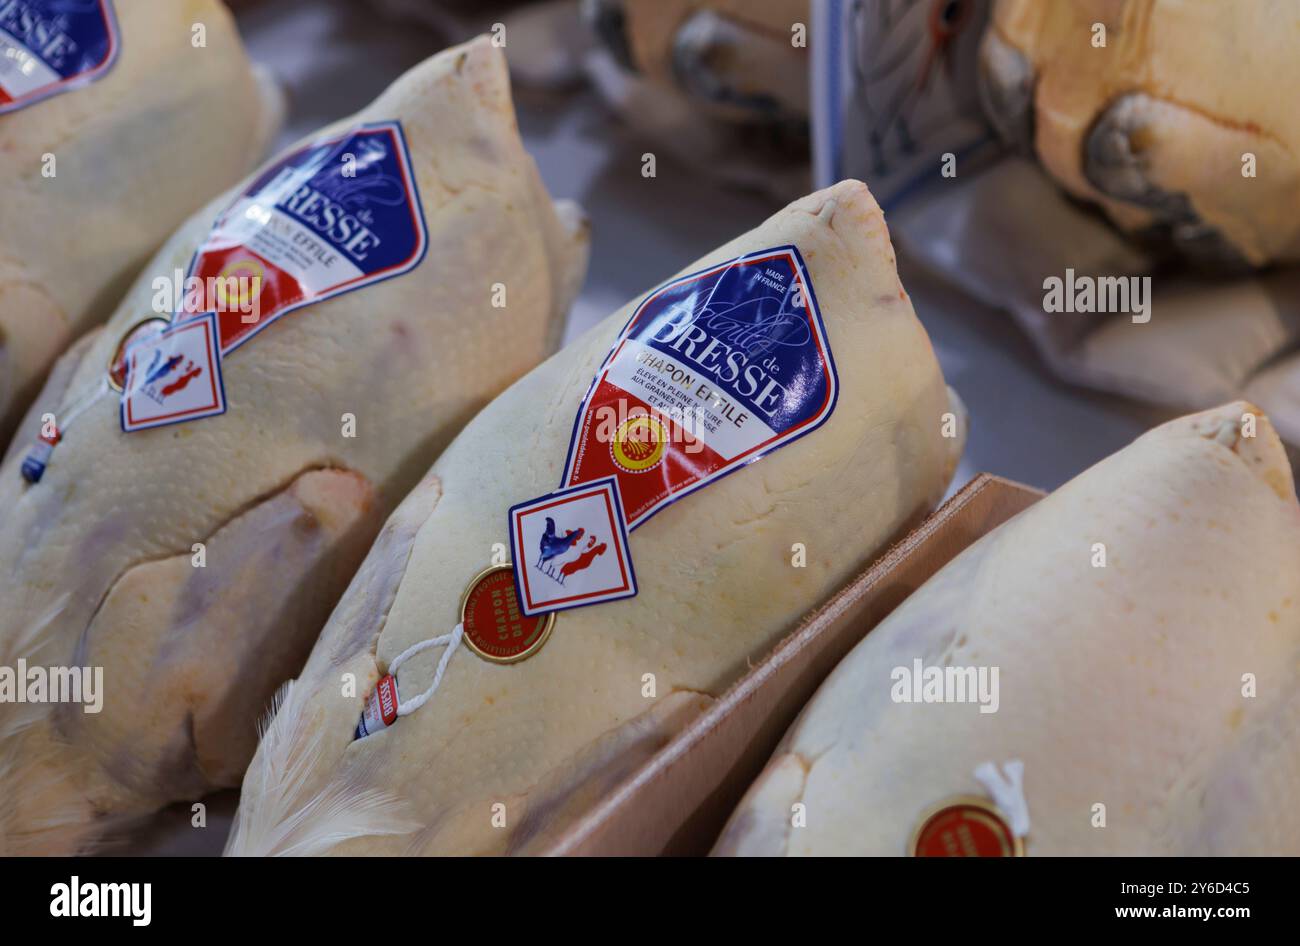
(275, 820)
(38, 808)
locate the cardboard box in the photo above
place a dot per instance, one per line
(678, 802)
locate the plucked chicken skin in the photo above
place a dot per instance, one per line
(501, 757)
(1174, 117)
(1144, 623)
(93, 179)
(333, 412)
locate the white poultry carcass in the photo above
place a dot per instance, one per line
(1137, 636)
(1170, 120)
(161, 111)
(501, 756)
(334, 410)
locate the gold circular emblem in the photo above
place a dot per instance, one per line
(247, 268)
(492, 624)
(638, 443)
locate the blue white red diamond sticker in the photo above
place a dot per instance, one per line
(174, 376)
(569, 549)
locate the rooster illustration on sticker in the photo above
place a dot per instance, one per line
(557, 558)
(172, 375)
(569, 549)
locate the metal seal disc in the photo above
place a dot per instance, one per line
(136, 333)
(965, 826)
(494, 627)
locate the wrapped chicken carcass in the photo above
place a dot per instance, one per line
(459, 704)
(118, 119)
(1113, 671)
(721, 84)
(1174, 116)
(347, 309)
(737, 60)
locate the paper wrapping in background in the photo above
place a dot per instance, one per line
(891, 97)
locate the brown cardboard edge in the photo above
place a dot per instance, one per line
(677, 802)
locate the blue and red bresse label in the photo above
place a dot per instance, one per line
(713, 371)
(52, 46)
(332, 217)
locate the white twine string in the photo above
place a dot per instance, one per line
(62, 420)
(1007, 788)
(80, 407)
(451, 642)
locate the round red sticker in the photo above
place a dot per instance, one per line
(966, 827)
(493, 625)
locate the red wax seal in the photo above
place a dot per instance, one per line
(493, 625)
(966, 827)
